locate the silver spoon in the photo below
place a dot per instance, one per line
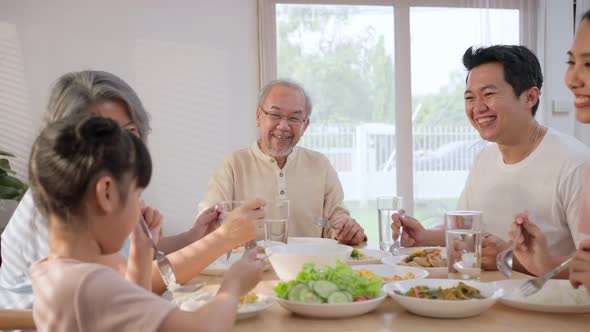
(396, 246)
(504, 259)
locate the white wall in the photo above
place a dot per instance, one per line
(558, 17)
(193, 63)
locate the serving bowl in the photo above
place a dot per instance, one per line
(287, 260)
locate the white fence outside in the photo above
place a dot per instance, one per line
(365, 158)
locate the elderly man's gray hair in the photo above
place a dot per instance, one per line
(290, 84)
(75, 92)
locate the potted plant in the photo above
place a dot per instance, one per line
(11, 189)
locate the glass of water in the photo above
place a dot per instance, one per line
(276, 222)
(463, 231)
(386, 207)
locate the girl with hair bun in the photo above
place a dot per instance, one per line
(25, 239)
(87, 175)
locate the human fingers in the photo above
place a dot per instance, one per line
(353, 231)
(344, 230)
(396, 224)
(254, 204)
(407, 240)
(359, 237)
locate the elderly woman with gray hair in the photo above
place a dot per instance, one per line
(25, 239)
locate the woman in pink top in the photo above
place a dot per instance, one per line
(87, 175)
(532, 251)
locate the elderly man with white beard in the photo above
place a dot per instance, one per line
(275, 168)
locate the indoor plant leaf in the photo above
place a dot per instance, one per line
(5, 166)
(4, 153)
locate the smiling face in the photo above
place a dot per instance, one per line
(577, 75)
(278, 137)
(492, 107)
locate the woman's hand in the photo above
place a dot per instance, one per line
(580, 268)
(208, 221)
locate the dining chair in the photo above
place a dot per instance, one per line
(16, 319)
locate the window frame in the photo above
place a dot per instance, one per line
(267, 47)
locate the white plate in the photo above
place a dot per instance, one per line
(220, 265)
(192, 302)
(547, 299)
(312, 240)
(387, 271)
(444, 308)
(374, 257)
(433, 272)
(331, 310)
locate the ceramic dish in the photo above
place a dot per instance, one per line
(443, 308)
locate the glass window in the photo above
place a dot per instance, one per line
(343, 55)
(445, 143)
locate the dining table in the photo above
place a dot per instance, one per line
(390, 316)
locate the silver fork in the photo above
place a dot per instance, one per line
(532, 286)
(322, 222)
(165, 267)
(504, 259)
(395, 247)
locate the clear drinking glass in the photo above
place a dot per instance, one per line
(386, 207)
(463, 238)
(276, 225)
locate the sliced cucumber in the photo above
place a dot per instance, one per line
(340, 297)
(350, 297)
(324, 288)
(308, 296)
(295, 292)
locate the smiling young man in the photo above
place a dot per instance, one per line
(530, 167)
(274, 167)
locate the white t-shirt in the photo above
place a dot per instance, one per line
(548, 184)
(25, 240)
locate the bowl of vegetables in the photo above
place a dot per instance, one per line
(329, 292)
(287, 260)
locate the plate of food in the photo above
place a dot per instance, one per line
(328, 292)
(444, 298)
(366, 256)
(557, 296)
(431, 259)
(250, 304)
(389, 273)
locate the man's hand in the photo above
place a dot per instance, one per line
(208, 221)
(348, 231)
(413, 232)
(491, 245)
(532, 250)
